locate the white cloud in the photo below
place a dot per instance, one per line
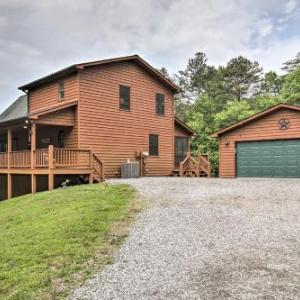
(38, 37)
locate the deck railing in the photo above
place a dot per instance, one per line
(41, 158)
(20, 159)
(48, 158)
(3, 160)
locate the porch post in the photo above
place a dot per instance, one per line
(9, 147)
(33, 183)
(50, 166)
(9, 186)
(33, 144)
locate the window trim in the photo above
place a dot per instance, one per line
(158, 144)
(129, 106)
(164, 101)
(61, 90)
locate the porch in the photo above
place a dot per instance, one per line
(34, 149)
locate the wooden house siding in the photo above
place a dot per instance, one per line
(47, 95)
(181, 132)
(263, 129)
(117, 134)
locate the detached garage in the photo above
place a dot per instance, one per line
(264, 145)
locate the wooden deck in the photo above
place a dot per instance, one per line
(51, 161)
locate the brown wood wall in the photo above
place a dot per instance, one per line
(47, 95)
(115, 134)
(181, 132)
(265, 128)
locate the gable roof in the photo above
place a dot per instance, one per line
(74, 68)
(17, 110)
(255, 117)
(185, 127)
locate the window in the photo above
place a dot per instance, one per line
(160, 104)
(153, 144)
(124, 97)
(61, 91)
(2, 146)
(61, 139)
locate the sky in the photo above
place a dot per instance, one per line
(43, 36)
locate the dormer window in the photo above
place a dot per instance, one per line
(61, 91)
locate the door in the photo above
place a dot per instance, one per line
(280, 158)
(181, 149)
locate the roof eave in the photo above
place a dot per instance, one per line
(253, 118)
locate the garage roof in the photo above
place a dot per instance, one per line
(254, 117)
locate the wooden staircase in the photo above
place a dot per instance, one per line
(98, 167)
(198, 166)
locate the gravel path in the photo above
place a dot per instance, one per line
(208, 239)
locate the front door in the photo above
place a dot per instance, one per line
(181, 149)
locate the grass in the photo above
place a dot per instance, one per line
(51, 242)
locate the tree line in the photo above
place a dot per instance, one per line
(212, 97)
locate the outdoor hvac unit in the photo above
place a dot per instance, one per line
(130, 170)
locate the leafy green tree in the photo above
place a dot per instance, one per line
(241, 77)
(271, 84)
(292, 64)
(290, 91)
(263, 102)
(201, 119)
(233, 112)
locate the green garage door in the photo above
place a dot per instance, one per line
(269, 159)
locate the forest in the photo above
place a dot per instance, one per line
(213, 97)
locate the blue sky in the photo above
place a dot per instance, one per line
(40, 37)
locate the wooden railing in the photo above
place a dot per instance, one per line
(71, 158)
(41, 158)
(20, 159)
(98, 166)
(3, 160)
(188, 167)
(204, 165)
(195, 166)
(53, 158)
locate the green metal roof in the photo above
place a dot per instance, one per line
(17, 110)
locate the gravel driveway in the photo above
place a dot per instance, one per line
(208, 239)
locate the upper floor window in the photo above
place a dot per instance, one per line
(160, 104)
(61, 91)
(153, 144)
(124, 97)
(61, 139)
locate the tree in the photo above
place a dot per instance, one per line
(292, 64)
(241, 77)
(164, 72)
(233, 112)
(193, 80)
(290, 91)
(271, 84)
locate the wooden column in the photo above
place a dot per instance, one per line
(9, 146)
(33, 183)
(33, 144)
(51, 167)
(9, 186)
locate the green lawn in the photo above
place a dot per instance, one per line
(52, 241)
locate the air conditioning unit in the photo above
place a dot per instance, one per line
(130, 170)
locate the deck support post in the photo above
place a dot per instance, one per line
(90, 178)
(9, 186)
(51, 167)
(33, 183)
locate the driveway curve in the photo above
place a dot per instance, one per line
(207, 239)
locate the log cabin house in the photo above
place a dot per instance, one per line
(88, 119)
